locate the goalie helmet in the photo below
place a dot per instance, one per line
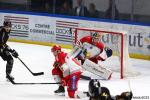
(94, 88)
(7, 23)
(56, 48)
(96, 35)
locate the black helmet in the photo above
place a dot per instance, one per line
(94, 88)
(7, 23)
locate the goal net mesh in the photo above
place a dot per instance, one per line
(120, 61)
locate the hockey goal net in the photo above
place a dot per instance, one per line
(120, 61)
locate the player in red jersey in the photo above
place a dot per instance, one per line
(94, 48)
(59, 61)
(66, 71)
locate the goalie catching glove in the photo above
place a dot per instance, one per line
(108, 51)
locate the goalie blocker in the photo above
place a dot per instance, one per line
(97, 69)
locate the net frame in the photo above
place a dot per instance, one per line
(122, 35)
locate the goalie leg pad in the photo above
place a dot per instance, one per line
(97, 69)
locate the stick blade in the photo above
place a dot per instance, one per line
(37, 74)
(85, 77)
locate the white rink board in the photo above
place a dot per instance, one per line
(56, 30)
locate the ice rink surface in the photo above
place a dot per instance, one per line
(40, 59)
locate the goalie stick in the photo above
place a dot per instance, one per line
(34, 74)
(85, 77)
(15, 83)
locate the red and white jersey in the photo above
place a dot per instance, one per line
(68, 65)
(71, 66)
(60, 58)
(93, 49)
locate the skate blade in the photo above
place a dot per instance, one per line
(60, 94)
(7, 80)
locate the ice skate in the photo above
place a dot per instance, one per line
(9, 78)
(60, 91)
(80, 94)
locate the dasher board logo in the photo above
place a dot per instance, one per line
(20, 26)
(147, 41)
(64, 31)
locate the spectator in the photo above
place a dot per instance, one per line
(49, 6)
(37, 5)
(58, 5)
(66, 9)
(80, 10)
(112, 11)
(93, 12)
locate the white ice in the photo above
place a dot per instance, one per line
(40, 59)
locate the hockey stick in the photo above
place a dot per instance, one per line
(15, 83)
(85, 77)
(34, 74)
(34, 83)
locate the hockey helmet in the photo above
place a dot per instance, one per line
(96, 35)
(7, 23)
(105, 94)
(56, 48)
(108, 51)
(94, 88)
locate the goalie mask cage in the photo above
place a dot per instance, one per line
(118, 42)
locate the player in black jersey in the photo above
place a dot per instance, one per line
(5, 51)
(96, 92)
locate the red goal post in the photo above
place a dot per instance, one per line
(117, 41)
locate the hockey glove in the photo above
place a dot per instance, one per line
(14, 53)
(7, 48)
(124, 96)
(127, 95)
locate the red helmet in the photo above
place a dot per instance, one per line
(56, 48)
